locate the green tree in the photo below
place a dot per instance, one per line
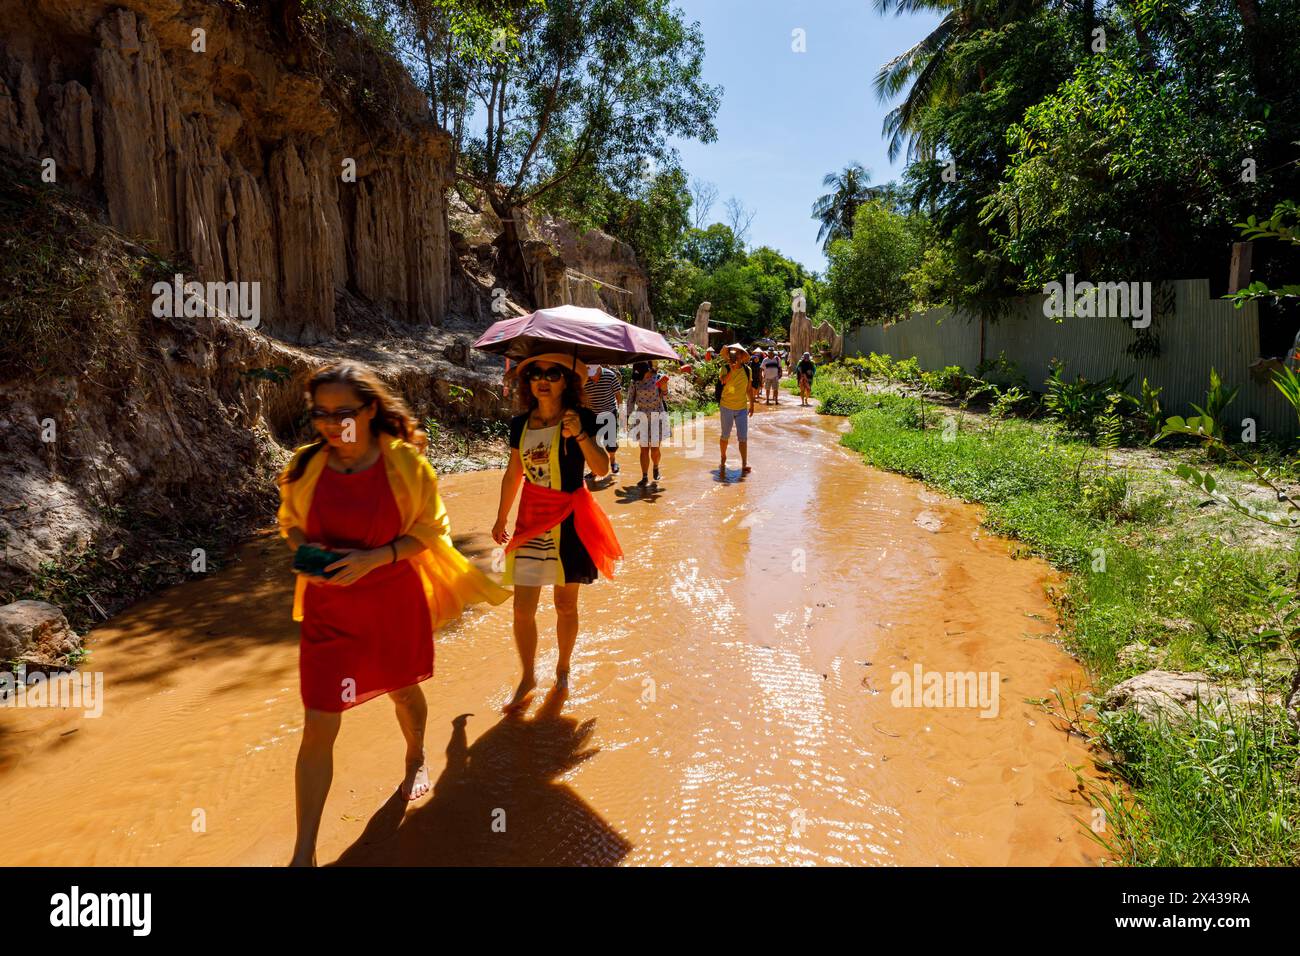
(1112, 144)
(711, 248)
(849, 189)
(586, 85)
(730, 289)
(932, 73)
(867, 279)
(966, 265)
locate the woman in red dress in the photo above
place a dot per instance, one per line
(365, 490)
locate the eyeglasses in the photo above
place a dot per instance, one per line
(552, 374)
(338, 415)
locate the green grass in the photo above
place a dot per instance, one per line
(698, 406)
(1208, 793)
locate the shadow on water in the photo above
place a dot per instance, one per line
(633, 493)
(498, 803)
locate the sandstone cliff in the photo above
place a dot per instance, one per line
(195, 136)
(135, 440)
(228, 158)
(569, 265)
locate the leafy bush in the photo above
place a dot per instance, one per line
(1217, 399)
(908, 370)
(838, 398)
(881, 365)
(1079, 403)
(951, 379)
(705, 379)
(1149, 406)
(1007, 402)
(1001, 371)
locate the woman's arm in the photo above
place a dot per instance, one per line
(596, 457)
(355, 565)
(510, 482)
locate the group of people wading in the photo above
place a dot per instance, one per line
(362, 501)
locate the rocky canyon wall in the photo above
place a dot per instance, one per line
(589, 268)
(184, 118)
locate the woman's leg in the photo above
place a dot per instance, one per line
(645, 461)
(525, 639)
(566, 628)
(412, 716)
(312, 777)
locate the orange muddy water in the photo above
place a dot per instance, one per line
(733, 698)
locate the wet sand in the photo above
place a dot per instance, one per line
(730, 704)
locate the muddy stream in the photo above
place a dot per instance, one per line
(731, 698)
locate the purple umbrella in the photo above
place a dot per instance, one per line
(590, 335)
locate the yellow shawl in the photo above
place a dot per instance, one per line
(450, 580)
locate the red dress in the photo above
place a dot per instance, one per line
(373, 636)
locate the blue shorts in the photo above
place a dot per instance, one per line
(738, 416)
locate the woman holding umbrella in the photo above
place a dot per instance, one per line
(561, 539)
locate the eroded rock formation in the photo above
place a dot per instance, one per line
(149, 437)
(801, 334)
(700, 331)
(229, 159)
(832, 342)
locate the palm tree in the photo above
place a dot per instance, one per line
(927, 71)
(849, 189)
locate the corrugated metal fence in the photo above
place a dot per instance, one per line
(1197, 333)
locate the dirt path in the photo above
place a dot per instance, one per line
(731, 699)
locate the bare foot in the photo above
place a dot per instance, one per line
(523, 694)
(745, 469)
(416, 782)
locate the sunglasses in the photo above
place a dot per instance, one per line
(339, 415)
(552, 374)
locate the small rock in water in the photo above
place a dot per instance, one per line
(929, 521)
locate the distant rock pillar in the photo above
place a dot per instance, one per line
(700, 334)
(801, 332)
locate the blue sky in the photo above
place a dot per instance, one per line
(787, 119)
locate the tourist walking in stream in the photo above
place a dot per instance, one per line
(647, 416)
(561, 539)
(771, 379)
(602, 394)
(805, 370)
(756, 378)
(735, 400)
(377, 575)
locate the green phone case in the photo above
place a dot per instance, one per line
(311, 560)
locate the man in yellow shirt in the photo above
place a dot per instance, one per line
(737, 394)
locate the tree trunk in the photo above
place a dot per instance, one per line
(510, 246)
(1254, 41)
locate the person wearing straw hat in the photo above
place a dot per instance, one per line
(738, 393)
(561, 538)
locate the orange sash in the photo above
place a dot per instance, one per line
(541, 509)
